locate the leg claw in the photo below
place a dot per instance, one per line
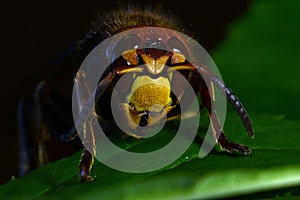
(86, 179)
(237, 148)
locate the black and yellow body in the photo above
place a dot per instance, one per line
(147, 77)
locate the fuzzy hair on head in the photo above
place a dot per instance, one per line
(117, 20)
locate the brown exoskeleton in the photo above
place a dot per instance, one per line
(148, 85)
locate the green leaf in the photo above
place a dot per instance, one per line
(259, 57)
(274, 164)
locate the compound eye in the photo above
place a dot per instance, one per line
(179, 50)
(126, 48)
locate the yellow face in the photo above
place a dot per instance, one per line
(149, 99)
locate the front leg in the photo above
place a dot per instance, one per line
(84, 99)
(87, 159)
(85, 166)
(216, 126)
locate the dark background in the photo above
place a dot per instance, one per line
(33, 32)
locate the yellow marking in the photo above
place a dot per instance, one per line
(177, 58)
(135, 117)
(212, 91)
(147, 93)
(134, 69)
(155, 66)
(181, 67)
(130, 118)
(130, 56)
